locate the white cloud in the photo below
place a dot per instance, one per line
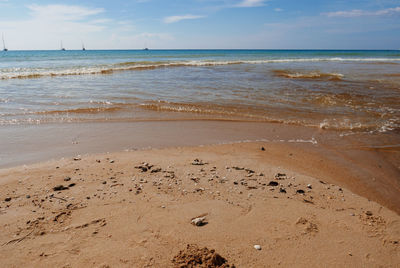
(251, 3)
(46, 25)
(173, 19)
(278, 9)
(359, 12)
(63, 12)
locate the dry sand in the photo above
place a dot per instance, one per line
(116, 211)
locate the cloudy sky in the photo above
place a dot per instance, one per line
(270, 24)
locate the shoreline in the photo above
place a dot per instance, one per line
(117, 210)
(356, 162)
(44, 140)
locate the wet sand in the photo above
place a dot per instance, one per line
(367, 164)
(135, 209)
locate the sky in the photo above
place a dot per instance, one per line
(201, 24)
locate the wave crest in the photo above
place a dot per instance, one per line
(149, 65)
(316, 75)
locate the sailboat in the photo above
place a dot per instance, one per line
(62, 48)
(83, 46)
(4, 44)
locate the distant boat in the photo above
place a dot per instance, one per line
(4, 44)
(146, 48)
(62, 48)
(83, 46)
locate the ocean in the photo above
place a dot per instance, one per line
(346, 90)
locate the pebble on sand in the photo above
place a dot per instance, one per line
(198, 162)
(258, 247)
(199, 221)
(60, 188)
(273, 183)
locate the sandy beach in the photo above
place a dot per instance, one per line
(257, 204)
(200, 158)
(199, 134)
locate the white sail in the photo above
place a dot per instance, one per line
(4, 43)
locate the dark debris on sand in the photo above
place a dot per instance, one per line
(193, 256)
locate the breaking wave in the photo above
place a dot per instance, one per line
(27, 73)
(309, 75)
(140, 111)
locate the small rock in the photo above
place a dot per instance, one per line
(249, 170)
(273, 183)
(144, 167)
(238, 168)
(195, 179)
(67, 178)
(368, 213)
(199, 221)
(60, 188)
(280, 176)
(258, 247)
(309, 186)
(111, 161)
(300, 191)
(198, 162)
(28, 196)
(262, 149)
(155, 170)
(77, 158)
(8, 199)
(282, 190)
(71, 185)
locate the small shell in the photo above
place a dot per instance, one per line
(258, 247)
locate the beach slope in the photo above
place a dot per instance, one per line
(143, 209)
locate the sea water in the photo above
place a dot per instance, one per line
(346, 90)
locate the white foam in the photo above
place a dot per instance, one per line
(12, 73)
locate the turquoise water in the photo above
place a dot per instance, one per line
(18, 64)
(351, 90)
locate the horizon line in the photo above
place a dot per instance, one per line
(150, 49)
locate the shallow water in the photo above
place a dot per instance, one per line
(350, 91)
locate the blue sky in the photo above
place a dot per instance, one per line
(269, 24)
